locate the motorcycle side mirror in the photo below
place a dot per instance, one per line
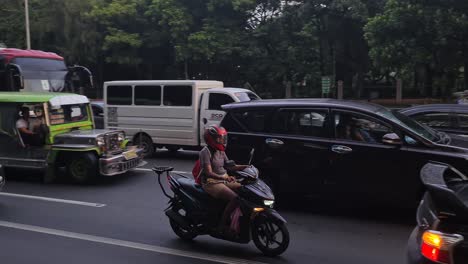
(2, 176)
(251, 156)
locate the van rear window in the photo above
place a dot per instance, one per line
(177, 95)
(119, 95)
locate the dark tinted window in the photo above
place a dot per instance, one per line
(230, 124)
(254, 120)
(97, 110)
(356, 127)
(147, 95)
(37, 64)
(435, 120)
(178, 95)
(301, 122)
(119, 95)
(217, 100)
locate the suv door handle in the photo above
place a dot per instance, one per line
(274, 143)
(340, 149)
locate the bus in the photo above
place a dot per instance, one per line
(40, 71)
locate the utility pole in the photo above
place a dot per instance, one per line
(28, 37)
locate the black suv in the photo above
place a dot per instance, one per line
(332, 147)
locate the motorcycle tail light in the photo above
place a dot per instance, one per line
(437, 246)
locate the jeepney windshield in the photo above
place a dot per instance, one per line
(65, 114)
(42, 74)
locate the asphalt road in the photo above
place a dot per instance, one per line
(121, 220)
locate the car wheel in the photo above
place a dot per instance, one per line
(82, 168)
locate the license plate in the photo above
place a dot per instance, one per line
(131, 154)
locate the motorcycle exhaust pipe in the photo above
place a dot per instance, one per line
(178, 218)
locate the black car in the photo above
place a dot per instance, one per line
(450, 118)
(98, 113)
(333, 147)
(441, 233)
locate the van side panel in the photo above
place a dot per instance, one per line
(165, 124)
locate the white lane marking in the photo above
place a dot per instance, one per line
(144, 169)
(48, 199)
(128, 244)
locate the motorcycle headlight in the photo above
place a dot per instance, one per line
(268, 203)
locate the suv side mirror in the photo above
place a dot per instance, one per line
(391, 139)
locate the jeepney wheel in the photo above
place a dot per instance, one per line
(146, 144)
(82, 167)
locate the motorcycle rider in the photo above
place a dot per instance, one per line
(215, 180)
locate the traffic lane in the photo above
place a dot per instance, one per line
(19, 246)
(134, 212)
(320, 239)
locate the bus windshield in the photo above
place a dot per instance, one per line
(42, 74)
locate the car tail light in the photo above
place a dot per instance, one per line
(438, 247)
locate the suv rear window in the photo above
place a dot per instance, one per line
(302, 122)
(254, 120)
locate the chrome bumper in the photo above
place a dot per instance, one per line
(121, 163)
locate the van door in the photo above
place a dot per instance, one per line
(211, 112)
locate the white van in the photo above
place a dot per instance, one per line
(172, 114)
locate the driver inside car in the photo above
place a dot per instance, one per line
(215, 180)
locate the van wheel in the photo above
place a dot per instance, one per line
(146, 143)
(82, 167)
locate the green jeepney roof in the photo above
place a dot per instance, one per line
(38, 97)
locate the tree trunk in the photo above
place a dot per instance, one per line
(186, 69)
(428, 82)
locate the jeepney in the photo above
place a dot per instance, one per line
(60, 134)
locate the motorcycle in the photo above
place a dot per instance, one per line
(192, 212)
(441, 231)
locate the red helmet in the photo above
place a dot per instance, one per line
(216, 137)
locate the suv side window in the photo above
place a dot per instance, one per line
(304, 122)
(254, 120)
(216, 100)
(462, 120)
(436, 120)
(357, 127)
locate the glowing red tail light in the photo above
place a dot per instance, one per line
(437, 246)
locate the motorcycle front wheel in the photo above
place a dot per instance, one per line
(270, 236)
(181, 232)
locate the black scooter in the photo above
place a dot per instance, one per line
(442, 217)
(192, 212)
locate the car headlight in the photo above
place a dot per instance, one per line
(268, 203)
(121, 136)
(100, 142)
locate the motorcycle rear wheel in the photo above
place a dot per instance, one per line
(184, 234)
(265, 235)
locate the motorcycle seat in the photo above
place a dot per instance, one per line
(193, 188)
